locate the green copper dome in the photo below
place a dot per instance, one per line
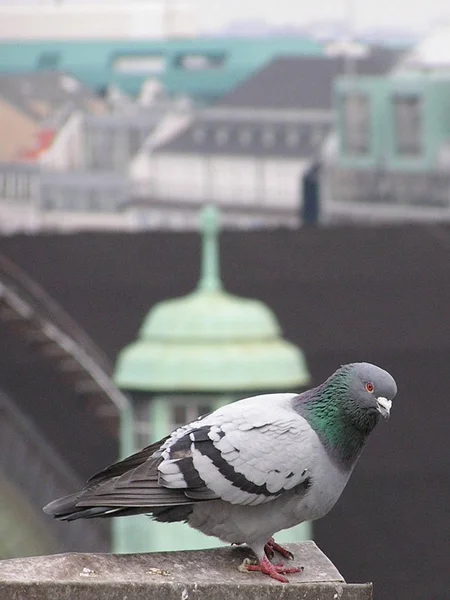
(209, 316)
(210, 340)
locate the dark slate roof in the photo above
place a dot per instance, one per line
(39, 94)
(271, 137)
(304, 82)
(291, 97)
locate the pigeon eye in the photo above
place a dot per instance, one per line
(369, 387)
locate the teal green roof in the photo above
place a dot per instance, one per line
(94, 62)
(210, 340)
(209, 317)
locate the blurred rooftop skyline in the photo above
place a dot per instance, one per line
(214, 15)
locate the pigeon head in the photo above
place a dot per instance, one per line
(371, 389)
(347, 406)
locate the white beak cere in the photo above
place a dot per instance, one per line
(384, 406)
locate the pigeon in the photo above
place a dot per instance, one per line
(249, 469)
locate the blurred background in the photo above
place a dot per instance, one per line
(202, 200)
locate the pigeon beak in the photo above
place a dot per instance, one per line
(384, 407)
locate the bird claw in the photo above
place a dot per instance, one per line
(265, 566)
(271, 547)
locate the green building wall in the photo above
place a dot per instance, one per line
(433, 90)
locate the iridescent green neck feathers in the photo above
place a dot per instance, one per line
(340, 422)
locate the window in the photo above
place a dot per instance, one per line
(200, 62)
(22, 186)
(48, 60)
(355, 124)
(407, 124)
(140, 63)
(199, 135)
(268, 137)
(100, 147)
(292, 137)
(186, 412)
(317, 136)
(10, 185)
(245, 137)
(141, 424)
(221, 136)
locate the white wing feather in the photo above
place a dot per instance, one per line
(250, 453)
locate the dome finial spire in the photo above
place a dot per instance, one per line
(210, 269)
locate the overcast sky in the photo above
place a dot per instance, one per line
(404, 14)
(414, 14)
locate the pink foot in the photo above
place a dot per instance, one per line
(274, 571)
(271, 547)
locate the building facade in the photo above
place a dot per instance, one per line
(390, 160)
(250, 151)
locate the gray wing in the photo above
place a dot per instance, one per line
(246, 456)
(249, 452)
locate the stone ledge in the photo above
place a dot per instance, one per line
(194, 575)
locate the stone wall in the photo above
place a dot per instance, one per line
(199, 575)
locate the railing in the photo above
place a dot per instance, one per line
(428, 190)
(15, 280)
(35, 316)
(19, 182)
(28, 461)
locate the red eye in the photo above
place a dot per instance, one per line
(369, 387)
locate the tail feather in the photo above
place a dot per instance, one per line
(66, 509)
(129, 487)
(62, 506)
(88, 513)
(118, 495)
